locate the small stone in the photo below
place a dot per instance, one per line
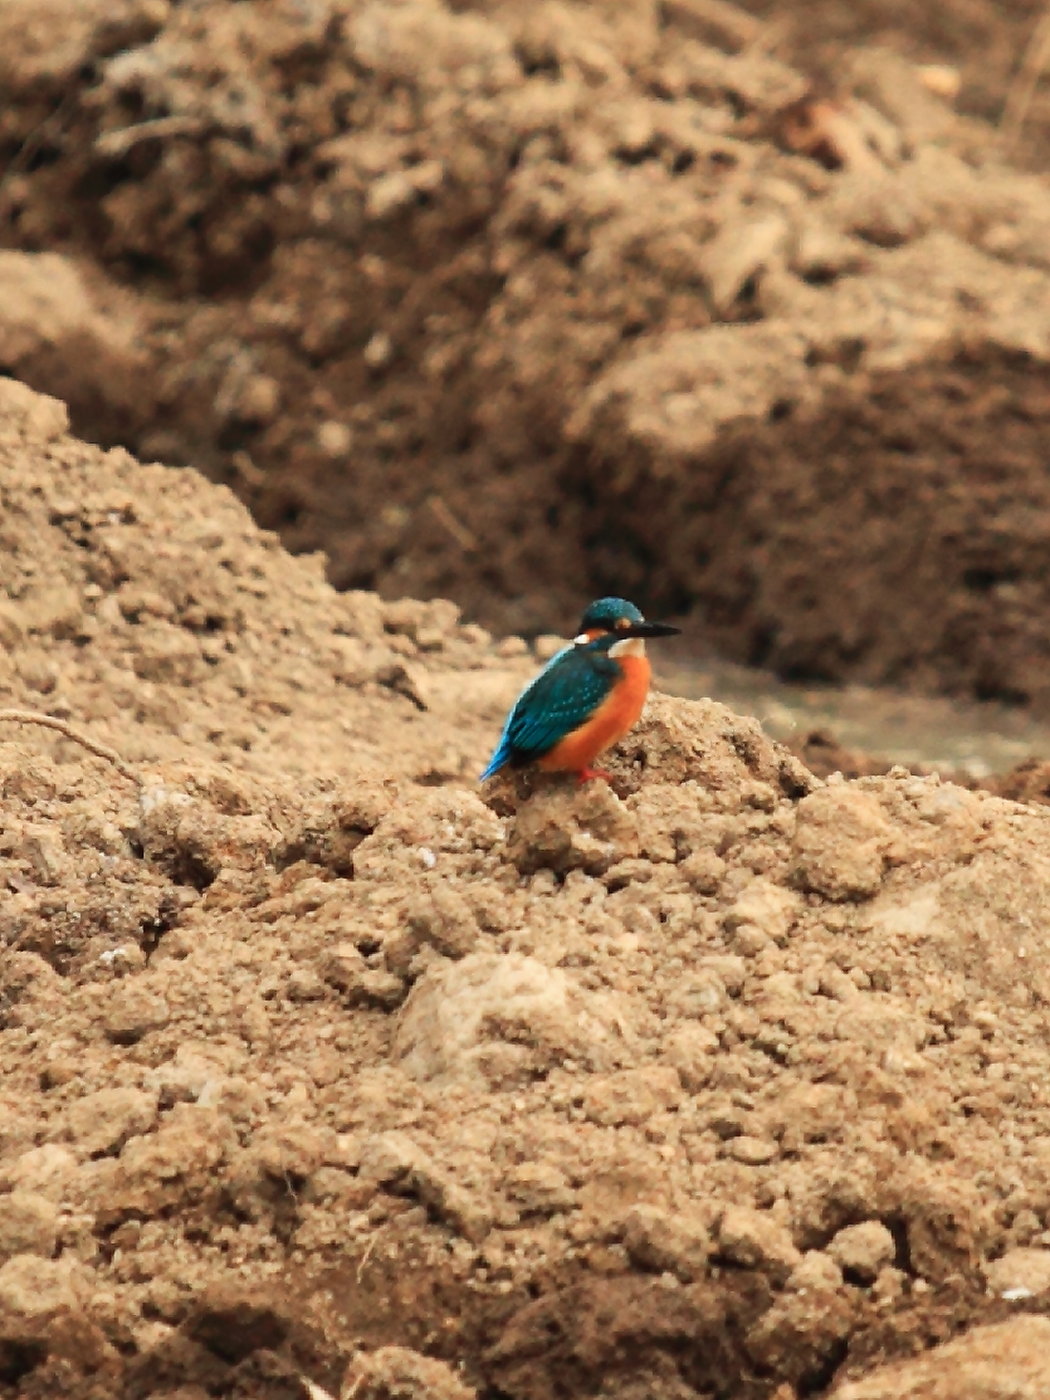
(632, 1095)
(667, 1242)
(704, 870)
(379, 351)
(942, 79)
(189, 1077)
(28, 1225)
(12, 626)
(381, 988)
(751, 1151)
(842, 840)
(750, 941)
(33, 1289)
(103, 1122)
(442, 917)
(1020, 1273)
(890, 1286)
(292, 1151)
(335, 439)
(754, 1240)
(389, 195)
(344, 968)
(815, 1272)
(304, 984)
(698, 994)
(389, 1158)
(572, 827)
(45, 1170)
(539, 1188)
(801, 1332)
(493, 1018)
(133, 1013)
(255, 399)
(768, 908)
(730, 969)
(56, 611)
(511, 647)
(396, 1161)
(691, 1049)
(430, 639)
(864, 1250)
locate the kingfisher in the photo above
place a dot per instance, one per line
(586, 698)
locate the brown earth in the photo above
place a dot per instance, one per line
(985, 41)
(517, 303)
(318, 1063)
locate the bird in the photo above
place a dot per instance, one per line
(586, 698)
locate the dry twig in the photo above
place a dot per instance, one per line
(1033, 65)
(462, 534)
(116, 144)
(84, 740)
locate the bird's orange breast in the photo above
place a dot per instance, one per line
(618, 713)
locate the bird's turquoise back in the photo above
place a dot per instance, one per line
(561, 698)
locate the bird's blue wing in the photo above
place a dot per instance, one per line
(562, 697)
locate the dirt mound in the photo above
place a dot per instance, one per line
(319, 1062)
(516, 303)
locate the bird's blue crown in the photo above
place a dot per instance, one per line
(605, 613)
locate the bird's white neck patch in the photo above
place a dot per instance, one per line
(630, 646)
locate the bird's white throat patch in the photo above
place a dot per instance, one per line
(630, 646)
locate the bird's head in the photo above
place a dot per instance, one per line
(610, 624)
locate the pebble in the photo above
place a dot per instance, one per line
(863, 1250)
(28, 1225)
(754, 1240)
(752, 1151)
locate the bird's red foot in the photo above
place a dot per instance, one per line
(586, 774)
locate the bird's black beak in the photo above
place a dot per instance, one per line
(650, 629)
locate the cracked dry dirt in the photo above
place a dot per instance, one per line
(318, 1062)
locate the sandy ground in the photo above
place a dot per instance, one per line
(317, 1061)
(746, 314)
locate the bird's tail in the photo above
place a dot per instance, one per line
(496, 762)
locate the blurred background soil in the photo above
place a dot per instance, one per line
(744, 311)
